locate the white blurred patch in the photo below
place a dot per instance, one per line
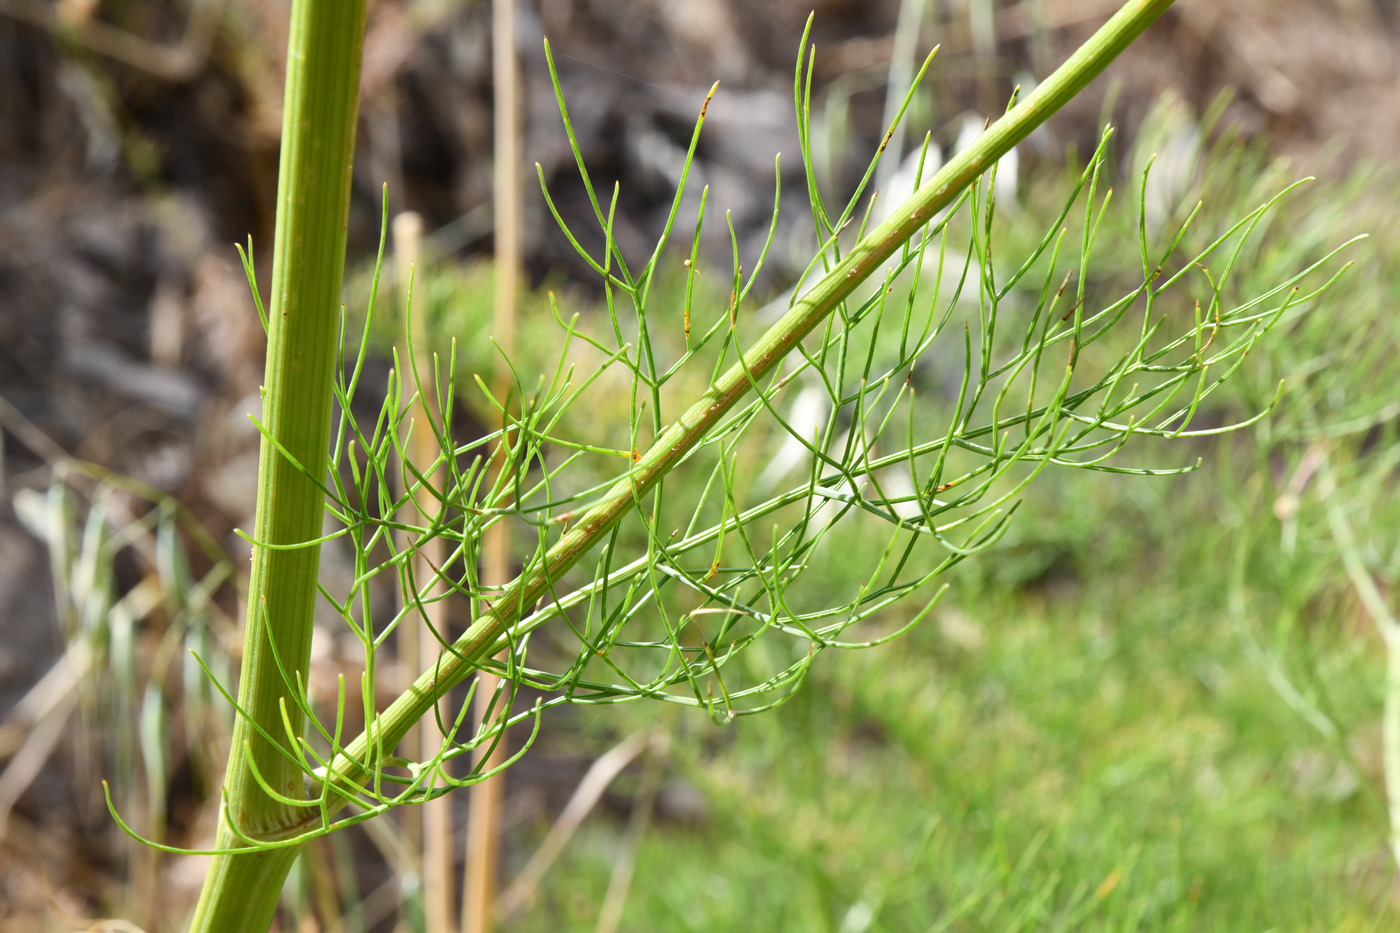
(858, 918)
(961, 629)
(899, 485)
(1171, 133)
(901, 185)
(810, 409)
(1008, 167)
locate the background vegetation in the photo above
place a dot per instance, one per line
(1156, 706)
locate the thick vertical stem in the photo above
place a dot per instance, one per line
(313, 196)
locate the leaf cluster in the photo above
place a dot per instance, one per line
(893, 443)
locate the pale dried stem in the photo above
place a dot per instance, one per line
(435, 815)
(487, 797)
(590, 790)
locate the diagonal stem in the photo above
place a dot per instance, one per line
(813, 308)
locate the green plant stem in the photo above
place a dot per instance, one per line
(318, 136)
(487, 631)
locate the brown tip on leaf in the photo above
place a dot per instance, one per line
(708, 97)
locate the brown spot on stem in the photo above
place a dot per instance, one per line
(1064, 284)
(708, 97)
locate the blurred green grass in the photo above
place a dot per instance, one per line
(1084, 750)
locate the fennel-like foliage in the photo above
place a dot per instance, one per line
(683, 473)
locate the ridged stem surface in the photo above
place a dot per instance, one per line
(324, 52)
